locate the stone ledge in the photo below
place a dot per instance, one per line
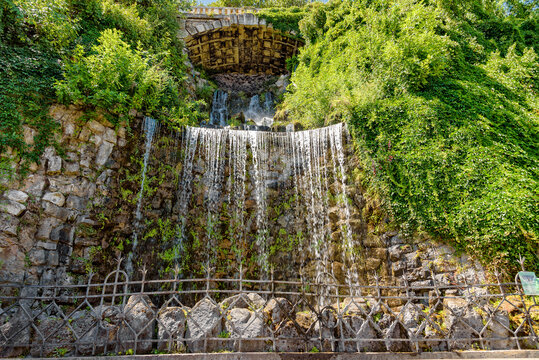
(500, 354)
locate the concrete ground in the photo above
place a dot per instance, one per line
(484, 355)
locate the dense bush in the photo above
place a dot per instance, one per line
(441, 99)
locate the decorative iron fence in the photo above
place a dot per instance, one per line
(122, 316)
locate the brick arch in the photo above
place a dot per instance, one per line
(230, 40)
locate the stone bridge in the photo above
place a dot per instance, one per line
(225, 39)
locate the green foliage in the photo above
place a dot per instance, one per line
(37, 37)
(114, 77)
(259, 3)
(284, 18)
(441, 100)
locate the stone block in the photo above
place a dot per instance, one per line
(72, 168)
(56, 198)
(76, 202)
(170, 328)
(34, 185)
(54, 165)
(110, 136)
(103, 153)
(58, 212)
(16, 195)
(96, 127)
(45, 228)
(12, 207)
(139, 313)
(204, 319)
(9, 224)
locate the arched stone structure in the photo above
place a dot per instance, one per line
(234, 40)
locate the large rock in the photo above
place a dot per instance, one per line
(16, 195)
(12, 207)
(136, 332)
(9, 224)
(360, 334)
(171, 328)
(498, 327)
(247, 325)
(461, 321)
(204, 320)
(278, 310)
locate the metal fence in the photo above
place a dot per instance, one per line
(123, 316)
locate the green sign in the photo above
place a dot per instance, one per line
(529, 282)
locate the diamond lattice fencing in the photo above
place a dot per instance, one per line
(119, 315)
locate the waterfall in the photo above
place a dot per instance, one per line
(231, 167)
(262, 116)
(219, 110)
(150, 127)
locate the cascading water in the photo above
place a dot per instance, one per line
(222, 164)
(219, 111)
(150, 127)
(260, 113)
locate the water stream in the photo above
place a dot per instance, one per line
(150, 127)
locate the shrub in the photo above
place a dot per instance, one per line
(114, 77)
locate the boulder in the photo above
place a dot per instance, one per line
(461, 321)
(278, 310)
(247, 325)
(243, 301)
(136, 331)
(105, 149)
(204, 320)
(359, 333)
(171, 328)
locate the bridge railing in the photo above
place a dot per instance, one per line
(209, 10)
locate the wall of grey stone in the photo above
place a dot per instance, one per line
(43, 215)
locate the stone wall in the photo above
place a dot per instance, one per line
(74, 212)
(47, 217)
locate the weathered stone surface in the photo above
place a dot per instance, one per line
(76, 203)
(54, 165)
(72, 168)
(110, 136)
(58, 212)
(34, 185)
(95, 127)
(249, 325)
(498, 326)
(9, 224)
(139, 314)
(278, 310)
(171, 328)
(462, 321)
(55, 197)
(356, 327)
(250, 300)
(45, 228)
(12, 207)
(105, 149)
(204, 320)
(16, 195)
